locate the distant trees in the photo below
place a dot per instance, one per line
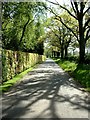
(58, 36)
(22, 25)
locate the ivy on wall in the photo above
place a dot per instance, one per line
(14, 62)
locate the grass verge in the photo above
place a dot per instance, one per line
(6, 85)
(80, 72)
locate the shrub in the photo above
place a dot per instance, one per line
(14, 62)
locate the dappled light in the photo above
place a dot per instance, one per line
(46, 94)
(45, 58)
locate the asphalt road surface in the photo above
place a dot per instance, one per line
(46, 92)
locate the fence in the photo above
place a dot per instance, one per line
(14, 62)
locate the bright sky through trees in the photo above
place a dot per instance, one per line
(61, 1)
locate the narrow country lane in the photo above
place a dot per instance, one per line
(46, 92)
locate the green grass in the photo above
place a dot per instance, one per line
(80, 72)
(66, 65)
(6, 85)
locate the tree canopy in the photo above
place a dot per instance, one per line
(22, 26)
(79, 12)
(27, 25)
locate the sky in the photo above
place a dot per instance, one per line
(61, 1)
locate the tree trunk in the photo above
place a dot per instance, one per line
(82, 51)
(66, 51)
(54, 53)
(58, 54)
(81, 42)
(62, 52)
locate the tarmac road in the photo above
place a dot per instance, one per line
(46, 92)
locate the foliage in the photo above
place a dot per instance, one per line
(80, 72)
(6, 85)
(14, 62)
(73, 58)
(87, 58)
(80, 12)
(22, 27)
(66, 65)
(59, 36)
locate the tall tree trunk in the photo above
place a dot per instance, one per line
(81, 42)
(58, 54)
(62, 52)
(54, 53)
(66, 51)
(82, 50)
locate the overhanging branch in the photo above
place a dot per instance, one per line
(62, 8)
(24, 28)
(86, 11)
(86, 24)
(73, 8)
(66, 26)
(87, 35)
(59, 18)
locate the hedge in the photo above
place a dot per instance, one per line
(14, 62)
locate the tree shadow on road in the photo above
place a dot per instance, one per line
(43, 85)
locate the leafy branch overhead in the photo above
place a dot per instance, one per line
(19, 25)
(80, 10)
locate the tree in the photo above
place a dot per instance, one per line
(19, 25)
(59, 36)
(80, 9)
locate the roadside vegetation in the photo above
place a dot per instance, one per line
(80, 72)
(22, 39)
(8, 84)
(65, 31)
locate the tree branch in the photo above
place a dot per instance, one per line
(24, 28)
(86, 11)
(76, 6)
(62, 8)
(67, 26)
(87, 38)
(55, 34)
(59, 19)
(82, 6)
(87, 35)
(86, 24)
(73, 7)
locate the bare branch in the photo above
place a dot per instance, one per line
(67, 26)
(82, 6)
(57, 16)
(52, 2)
(86, 11)
(87, 35)
(76, 6)
(73, 7)
(63, 8)
(87, 38)
(86, 24)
